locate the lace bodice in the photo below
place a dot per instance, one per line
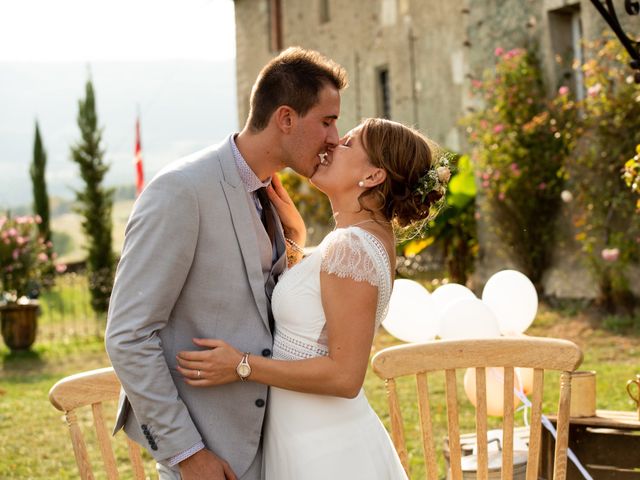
(297, 303)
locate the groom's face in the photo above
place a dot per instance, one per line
(314, 133)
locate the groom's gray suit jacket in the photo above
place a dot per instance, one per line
(191, 267)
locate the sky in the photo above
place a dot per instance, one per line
(173, 61)
(116, 30)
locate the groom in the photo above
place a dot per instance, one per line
(198, 262)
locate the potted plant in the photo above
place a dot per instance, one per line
(25, 264)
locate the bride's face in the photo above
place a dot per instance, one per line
(342, 169)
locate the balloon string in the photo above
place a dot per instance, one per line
(545, 422)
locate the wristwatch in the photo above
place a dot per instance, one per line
(244, 369)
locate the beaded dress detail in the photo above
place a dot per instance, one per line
(319, 437)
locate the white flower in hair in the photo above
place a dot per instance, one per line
(436, 178)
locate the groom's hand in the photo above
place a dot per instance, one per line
(205, 464)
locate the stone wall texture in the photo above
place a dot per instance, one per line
(431, 49)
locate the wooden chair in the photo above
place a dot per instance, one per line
(449, 355)
(93, 388)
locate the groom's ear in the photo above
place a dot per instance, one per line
(284, 117)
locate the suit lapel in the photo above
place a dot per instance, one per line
(244, 229)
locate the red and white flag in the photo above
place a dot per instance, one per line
(138, 161)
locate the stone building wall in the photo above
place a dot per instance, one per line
(431, 49)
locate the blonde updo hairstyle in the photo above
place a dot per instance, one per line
(406, 156)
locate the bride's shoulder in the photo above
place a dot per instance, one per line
(352, 241)
(349, 237)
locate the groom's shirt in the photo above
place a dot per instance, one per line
(252, 184)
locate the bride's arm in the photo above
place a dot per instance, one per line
(350, 310)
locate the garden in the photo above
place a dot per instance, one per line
(567, 169)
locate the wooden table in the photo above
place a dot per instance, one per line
(607, 445)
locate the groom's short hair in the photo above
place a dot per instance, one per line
(293, 78)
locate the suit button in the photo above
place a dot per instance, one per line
(144, 428)
(266, 352)
(260, 403)
(154, 447)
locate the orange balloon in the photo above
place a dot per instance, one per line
(494, 377)
(526, 379)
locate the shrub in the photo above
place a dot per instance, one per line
(521, 140)
(24, 258)
(608, 227)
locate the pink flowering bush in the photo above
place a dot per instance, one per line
(521, 140)
(604, 212)
(24, 258)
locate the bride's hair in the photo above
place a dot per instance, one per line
(409, 193)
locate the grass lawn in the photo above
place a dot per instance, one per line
(34, 441)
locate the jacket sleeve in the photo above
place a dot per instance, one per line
(159, 247)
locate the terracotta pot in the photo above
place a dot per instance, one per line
(19, 324)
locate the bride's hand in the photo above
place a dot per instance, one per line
(292, 222)
(214, 366)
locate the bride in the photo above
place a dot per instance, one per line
(327, 308)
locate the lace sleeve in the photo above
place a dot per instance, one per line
(347, 255)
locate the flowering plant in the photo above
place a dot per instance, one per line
(605, 217)
(24, 258)
(521, 140)
(631, 174)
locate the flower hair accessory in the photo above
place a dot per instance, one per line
(436, 178)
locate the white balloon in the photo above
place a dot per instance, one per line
(447, 294)
(411, 316)
(468, 318)
(514, 300)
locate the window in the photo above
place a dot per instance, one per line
(275, 25)
(324, 11)
(384, 97)
(565, 28)
(388, 13)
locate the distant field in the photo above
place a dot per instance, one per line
(71, 224)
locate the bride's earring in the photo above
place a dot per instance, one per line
(361, 183)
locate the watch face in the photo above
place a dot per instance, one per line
(243, 370)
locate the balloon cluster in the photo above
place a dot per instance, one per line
(452, 312)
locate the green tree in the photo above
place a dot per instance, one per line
(40, 197)
(95, 202)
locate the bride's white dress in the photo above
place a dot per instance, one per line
(307, 436)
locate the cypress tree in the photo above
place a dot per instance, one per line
(95, 202)
(40, 197)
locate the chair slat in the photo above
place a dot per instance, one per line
(79, 447)
(507, 425)
(562, 427)
(397, 428)
(424, 408)
(455, 454)
(535, 426)
(481, 423)
(136, 459)
(104, 442)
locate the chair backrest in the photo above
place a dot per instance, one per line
(540, 354)
(93, 388)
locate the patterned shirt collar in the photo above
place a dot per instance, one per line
(249, 179)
